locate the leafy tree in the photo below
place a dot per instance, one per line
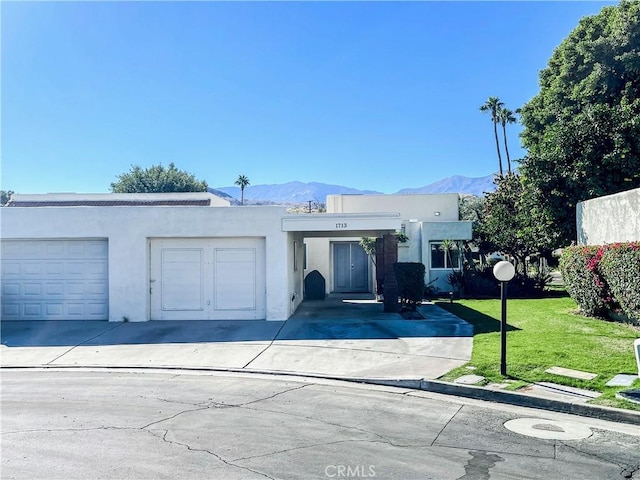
(5, 196)
(582, 130)
(242, 182)
(506, 116)
(470, 208)
(493, 105)
(157, 179)
(506, 225)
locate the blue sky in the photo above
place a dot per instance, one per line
(371, 95)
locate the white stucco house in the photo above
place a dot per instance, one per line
(139, 257)
(426, 219)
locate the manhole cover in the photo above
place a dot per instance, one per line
(548, 429)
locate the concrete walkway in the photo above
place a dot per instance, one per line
(347, 337)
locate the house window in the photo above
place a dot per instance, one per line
(441, 258)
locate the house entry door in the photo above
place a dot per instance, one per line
(350, 268)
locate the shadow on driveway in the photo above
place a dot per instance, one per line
(336, 318)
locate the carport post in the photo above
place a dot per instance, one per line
(390, 251)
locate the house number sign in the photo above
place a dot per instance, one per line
(341, 225)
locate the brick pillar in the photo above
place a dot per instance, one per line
(379, 267)
(390, 249)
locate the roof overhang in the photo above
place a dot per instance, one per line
(342, 224)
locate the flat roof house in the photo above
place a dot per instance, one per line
(141, 257)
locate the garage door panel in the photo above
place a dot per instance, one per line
(226, 282)
(182, 279)
(10, 309)
(33, 310)
(9, 268)
(54, 309)
(55, 280)
(96, 309)
(54, 289)
(235, 276)
(10, 290)
(33, 289)
(33, 269)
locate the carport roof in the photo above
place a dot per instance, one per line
(342, 224)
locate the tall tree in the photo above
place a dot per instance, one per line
(582, 130)
(157, 179)
(493, 106)
(506, 116)
(242, 182)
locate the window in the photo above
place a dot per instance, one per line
(441, 258)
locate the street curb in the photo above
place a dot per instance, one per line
(519, 399)
(433, 386)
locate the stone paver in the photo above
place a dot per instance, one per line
(622, 380)
(567, 372)
(469, 379)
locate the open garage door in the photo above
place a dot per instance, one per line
(55, 280)
(207, 279)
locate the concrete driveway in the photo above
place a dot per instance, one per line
(348, 337)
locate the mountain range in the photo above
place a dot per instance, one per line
(299, 192)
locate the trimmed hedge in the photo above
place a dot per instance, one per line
(604, 278)
(620, 265)
(410, 278)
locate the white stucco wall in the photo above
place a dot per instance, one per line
(422, 207)
(295, 267)
(609, 219)
(128, 230)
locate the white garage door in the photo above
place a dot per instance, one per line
(208, 279)
(55, 280)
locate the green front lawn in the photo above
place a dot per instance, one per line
(545, 333)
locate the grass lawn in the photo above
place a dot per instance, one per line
(544, 333)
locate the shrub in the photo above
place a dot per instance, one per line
(526, 286)
(480, 282)
(410, 278)
(620, 266)
(584, 282)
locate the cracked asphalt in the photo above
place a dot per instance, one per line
(109, 424)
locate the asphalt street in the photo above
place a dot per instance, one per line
(146, 424)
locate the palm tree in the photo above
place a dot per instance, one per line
(506, 116)
(493, 106)
(242, 182)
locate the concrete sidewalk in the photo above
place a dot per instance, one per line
(338, 337)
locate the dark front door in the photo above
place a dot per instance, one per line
(350, 268)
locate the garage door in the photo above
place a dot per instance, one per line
(55, 280)
(207, 279)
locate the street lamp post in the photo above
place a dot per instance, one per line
(503, 271)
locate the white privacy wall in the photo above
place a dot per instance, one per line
(128, 230)
(609, 219)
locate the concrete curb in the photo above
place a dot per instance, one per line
(519, 399)
(434, 386)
